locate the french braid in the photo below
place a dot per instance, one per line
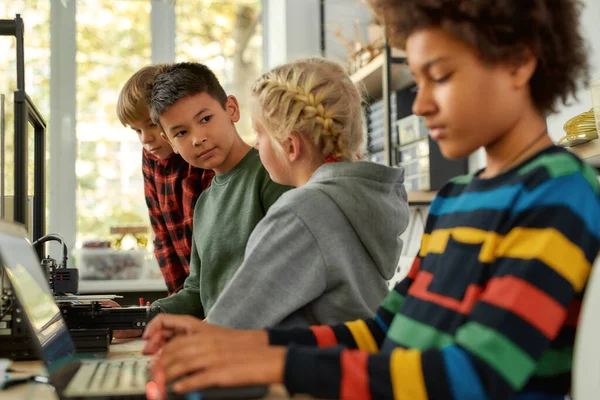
(316, 98)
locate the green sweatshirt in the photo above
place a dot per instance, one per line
(224, 217)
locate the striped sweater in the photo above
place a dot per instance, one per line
(490, 305)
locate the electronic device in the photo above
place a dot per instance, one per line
(74, 377)
(88, 312)
(61, 278)
(31, 212)
(90, 322)
(15, 343)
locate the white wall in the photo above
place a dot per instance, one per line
(591, 32)
(274, 40)
(62, 137)
(292, 30)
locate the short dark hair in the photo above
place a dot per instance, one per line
(500, 30)
(181, 80)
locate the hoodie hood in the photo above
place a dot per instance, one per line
(374, 200)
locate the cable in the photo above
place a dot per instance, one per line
(584, 123)
(58, 238)
(8, 307)
(579, 129)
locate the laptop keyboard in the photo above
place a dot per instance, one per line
(110, 377)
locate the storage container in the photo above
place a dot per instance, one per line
(107, 264)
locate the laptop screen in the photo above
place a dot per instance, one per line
(33, 293)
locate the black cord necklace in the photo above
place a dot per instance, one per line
(523, 151)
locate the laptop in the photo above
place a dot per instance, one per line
(73, 376)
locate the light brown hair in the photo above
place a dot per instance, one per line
(135, 94)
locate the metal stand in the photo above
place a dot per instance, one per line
(2, 150)
(387, 86)
(387, 126)
(26, 113)
(322, 26)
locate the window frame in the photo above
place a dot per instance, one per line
(62, 139)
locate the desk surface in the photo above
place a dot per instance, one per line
(119, 349)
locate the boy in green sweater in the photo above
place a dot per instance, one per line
(198, 120)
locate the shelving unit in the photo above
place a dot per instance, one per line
(421, 198)
(590, 152)
(370, 76)
(384, 78)
(388, 86)
(386, 73)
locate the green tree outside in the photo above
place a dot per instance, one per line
(113, 41)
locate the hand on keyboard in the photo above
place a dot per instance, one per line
(201, 361)
(164, 327)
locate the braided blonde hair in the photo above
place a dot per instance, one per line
(314, 98)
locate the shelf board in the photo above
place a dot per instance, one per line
(370, 77)
(121, 286)
(421, 198)
(590, 152)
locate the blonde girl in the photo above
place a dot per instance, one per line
(325, 250)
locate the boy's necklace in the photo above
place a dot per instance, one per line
(520, 153)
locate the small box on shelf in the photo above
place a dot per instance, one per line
(414, 150)
(411, 129)
(375, 127)
(378, 158)
(417, 166)
(424, 165)
(110, 264)
(417, 183)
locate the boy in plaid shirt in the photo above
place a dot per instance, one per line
(171, 185)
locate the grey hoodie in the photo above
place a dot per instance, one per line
(323, 252)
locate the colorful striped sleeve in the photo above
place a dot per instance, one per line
(365, 335)
(513, 329)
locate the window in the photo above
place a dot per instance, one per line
(227, 37)
(113, 41)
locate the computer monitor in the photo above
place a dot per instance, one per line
(9, 215)
(35, 297)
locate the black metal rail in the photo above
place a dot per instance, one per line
(26, 113)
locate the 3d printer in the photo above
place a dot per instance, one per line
(91, 323)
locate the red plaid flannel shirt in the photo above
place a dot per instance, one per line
(171, 188)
